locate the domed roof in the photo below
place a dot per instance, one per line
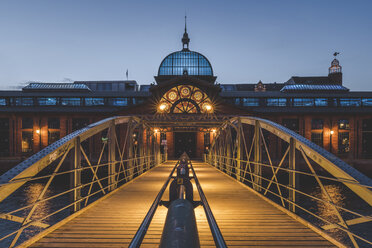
(185, 62)
(335, 62)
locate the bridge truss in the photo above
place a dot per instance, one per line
(242, 149)
(89, 163)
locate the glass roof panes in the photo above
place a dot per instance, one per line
(185, 62)
(309, 87)
(56, 86)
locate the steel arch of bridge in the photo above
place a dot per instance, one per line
(241, 150)
(127, 149)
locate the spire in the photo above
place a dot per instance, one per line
(185, 38)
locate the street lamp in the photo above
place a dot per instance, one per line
(330, 142)
(38, 131)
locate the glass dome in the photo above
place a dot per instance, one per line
(185, 62)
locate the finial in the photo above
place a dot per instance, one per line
(335, 54)
(185, 38)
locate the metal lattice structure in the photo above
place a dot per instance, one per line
(128, 148)
(241, 149)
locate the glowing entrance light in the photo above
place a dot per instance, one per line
(208, 107)
(162, 107)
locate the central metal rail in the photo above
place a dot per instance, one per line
(216, 233)
(141, 232)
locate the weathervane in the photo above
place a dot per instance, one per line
(335, 54)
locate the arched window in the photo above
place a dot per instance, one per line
(185, 99)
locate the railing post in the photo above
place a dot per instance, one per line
(158, 154)
(111, 157)
(76, 176)
(257, 157)
(228, 144)
(238, 150)
(130, 162)
(293, 177)
(148, 149)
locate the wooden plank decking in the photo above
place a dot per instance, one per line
(244, 218)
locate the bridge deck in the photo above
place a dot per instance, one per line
(244, 218)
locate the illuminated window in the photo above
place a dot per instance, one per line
(185, 99)
(94, 101)
(343, 124)
(343, 142)
(277, 102)
(321, 102)
(23, 101)
(70, 101)
(303, 102)
(350, 102)
(2, 102)
(251, 102)
(27, 141)
(367, 102)
(47, 101)
(122, 101)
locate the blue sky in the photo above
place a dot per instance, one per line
(246, 41)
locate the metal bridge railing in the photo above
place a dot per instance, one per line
(72, 173)
(303, 178)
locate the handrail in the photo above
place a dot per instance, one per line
(215, 230)
(141, 232)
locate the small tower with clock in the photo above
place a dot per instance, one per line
(335, 71)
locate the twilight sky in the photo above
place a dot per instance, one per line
(245, 41)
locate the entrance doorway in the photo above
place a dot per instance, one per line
(185, 142)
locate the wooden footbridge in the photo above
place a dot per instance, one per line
(111, 195)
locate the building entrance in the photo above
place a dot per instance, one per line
(185, 142)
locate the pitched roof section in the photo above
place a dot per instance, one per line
(250, 87)
(55, 87)
(309, 80)
(311, 88)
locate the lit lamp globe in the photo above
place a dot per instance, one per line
(208, 108)
(162, 107)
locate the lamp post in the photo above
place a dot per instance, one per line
(330, 142)
(38, 131)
